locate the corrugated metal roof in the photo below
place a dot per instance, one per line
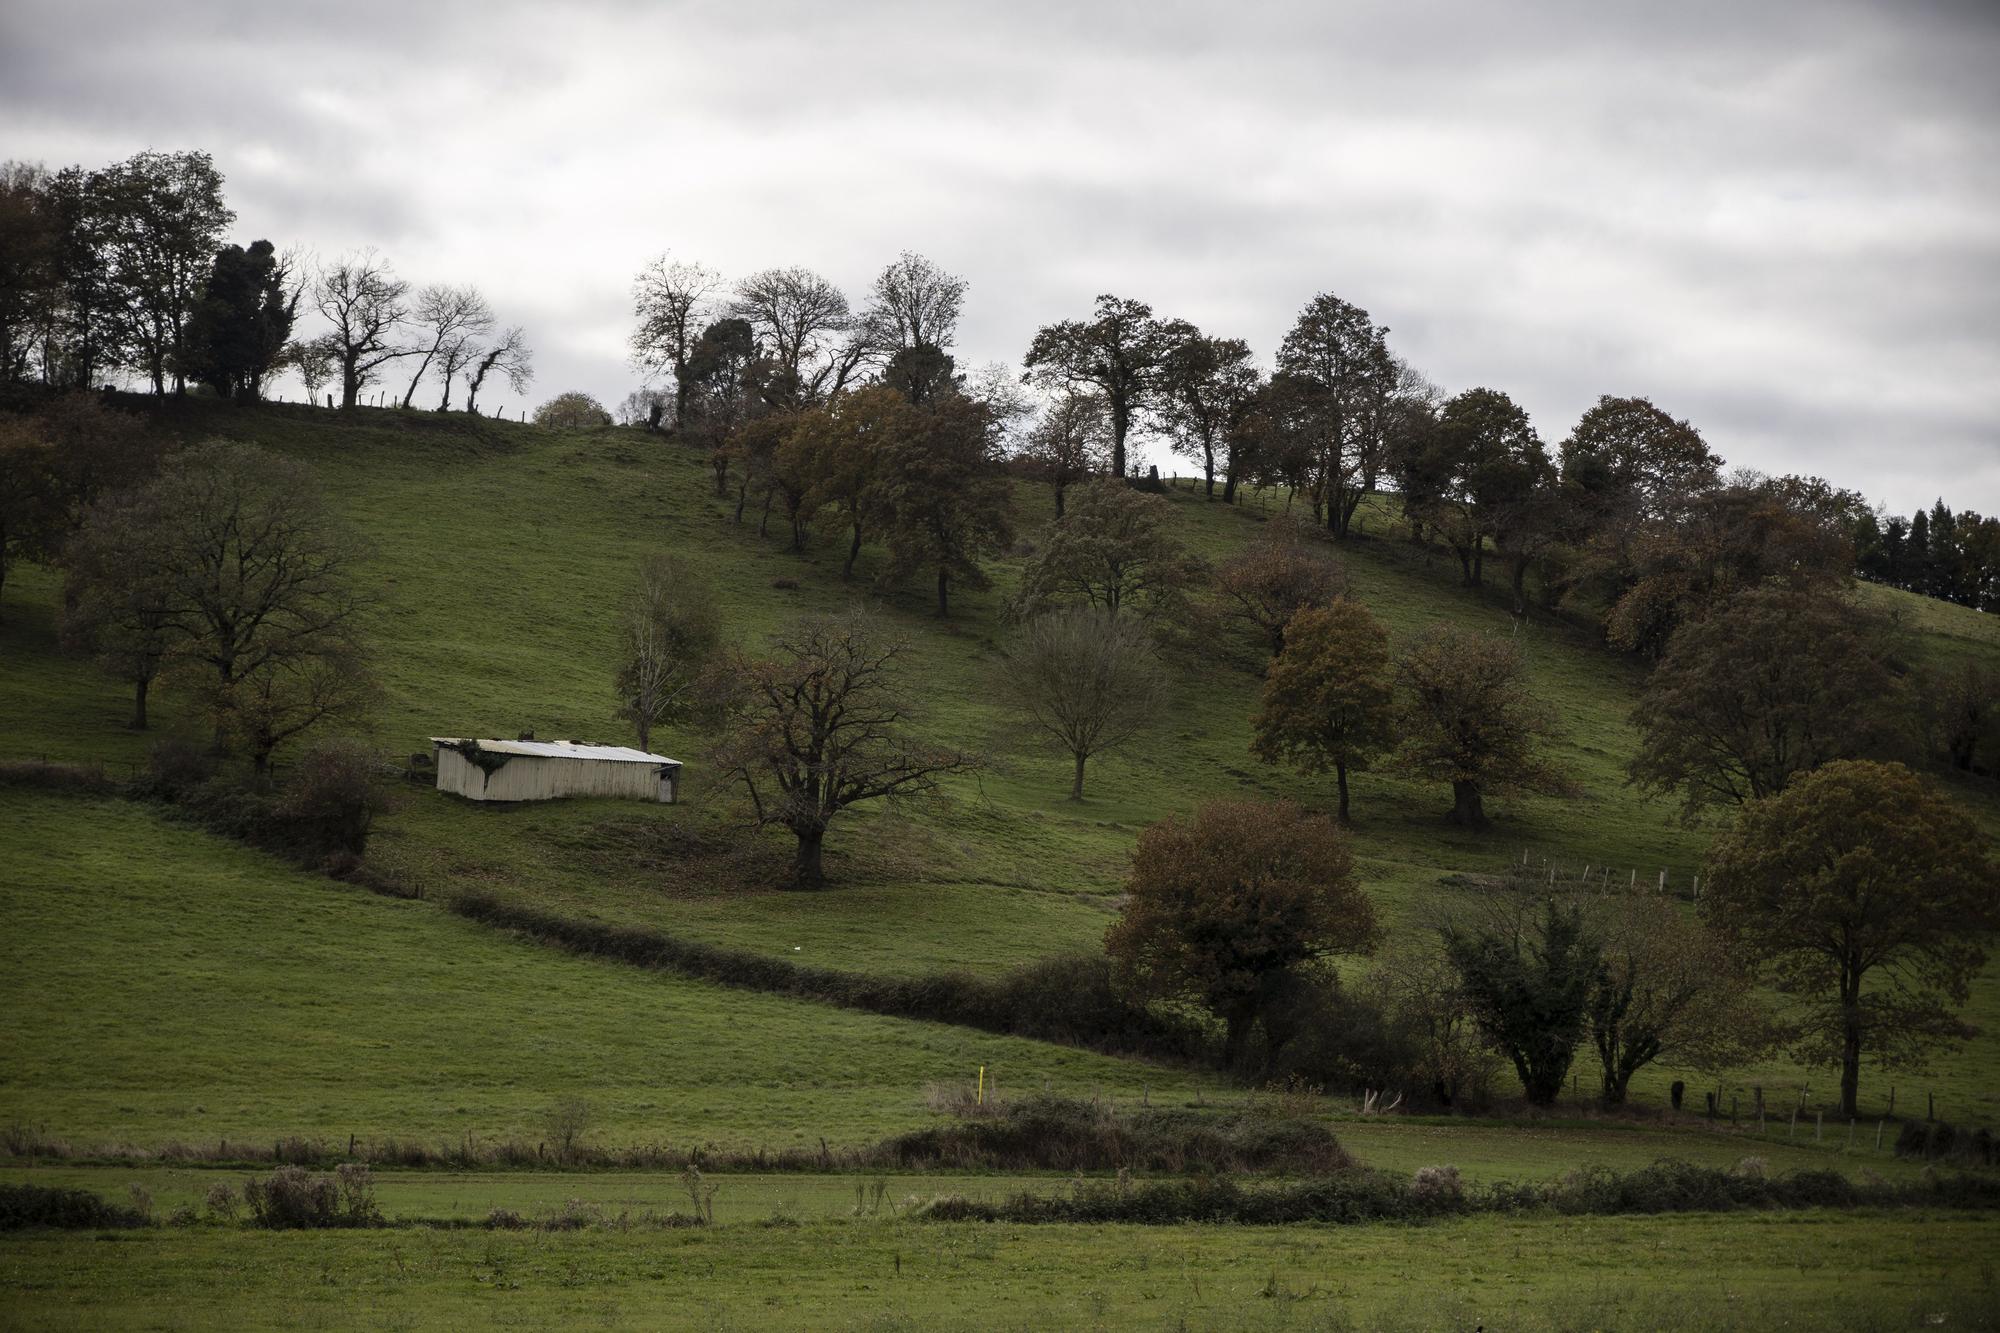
(614, 754)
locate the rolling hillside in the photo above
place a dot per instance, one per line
(499, 553)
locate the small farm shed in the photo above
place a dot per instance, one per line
(482, 770)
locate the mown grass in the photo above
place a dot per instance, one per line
(1852, 1271)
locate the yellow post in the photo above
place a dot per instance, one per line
(982, 1085)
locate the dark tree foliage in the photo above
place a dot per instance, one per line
(1208, 387)
(1329, 406)
(1871, 899)
(1327, 695)
(1465, 716)
(945, 501)
(1122, 352)
(1529, 976)
(1226, 907)
(1774, 682)
(239, 328)
(1953, 556)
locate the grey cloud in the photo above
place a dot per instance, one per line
(1774, 219)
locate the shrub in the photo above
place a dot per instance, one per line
(221, 1202)
(568, 1121)
(23, 1206)
(174, 767)
(293, 1198)
(1437, 1185)
(332, 800)
(88, 778)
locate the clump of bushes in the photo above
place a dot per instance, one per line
(24, 1206)
(1936, 1140)
(1066, 1134)
(40, 773)
(293, 1198)
(321, 816)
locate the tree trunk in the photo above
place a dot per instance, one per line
(1076, 783)
(1229, 485)
(944, 592)
(645, 725)
(1208, 468)
(1520, 585)
(1121, 421)
(1850, 1046)
(1238, 1024)
(1340, 781)
(139, 688)
(1059, 500)
(808, 868)
(1467, 809)
(853, 554)
(764, 519)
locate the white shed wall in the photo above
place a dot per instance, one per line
(539, 778)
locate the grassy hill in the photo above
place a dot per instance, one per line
(499, 553)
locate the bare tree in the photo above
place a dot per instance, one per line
(804, 322)
(1070, 444)
(317, 362)
(820, 726)
(450, 319)
(668, 631)
(509, 356)
(914, 304)
(673, 302)
(365, 302)
(1088, 679)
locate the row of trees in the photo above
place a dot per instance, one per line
(220, 564)
(1864, 897)
(1953, 556)
(126, 268)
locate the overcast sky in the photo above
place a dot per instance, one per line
(1780, 220)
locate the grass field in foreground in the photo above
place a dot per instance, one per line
(158, 983)
(1687, 1272)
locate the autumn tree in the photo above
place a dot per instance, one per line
(1627, 464)
(820, 725)
(1868, 898)
(1225, 907)
(1121, 353)
(1465, 717)
(1528, 969)
(1274, 577)
(1088, 680)
(1775, 681)
(1070, 444)
(668, 634)
(1115, 548)
(1667, 987)
(945, 503)
(236, 332)
(572, 411)
(1206, 386)
(367, 306)
(845, 445)
(673, 302)
(1327, 695)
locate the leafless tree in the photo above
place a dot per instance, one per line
(366, 303)
(914, 304)
(509, 356)
(449, 321)
(1089, 680)
(807, 329)
(668, 632)
(316, 360)
(673, 302)
(1070, 444)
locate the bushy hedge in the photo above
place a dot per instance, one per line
(1064, 1134)
(1067, 1000)
(23, 1206)
(1935, 1140)
(1375, 1196)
